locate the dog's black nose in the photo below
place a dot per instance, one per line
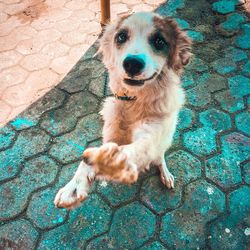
(133, 65)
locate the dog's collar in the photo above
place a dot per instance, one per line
(125, 97)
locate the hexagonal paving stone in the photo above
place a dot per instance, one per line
(200, 141)
(91, 219)
(242, 41)
(232, 25)
(215, 82)
(64, 120)
(25, 145)
(70, 146)
(79, 77)
(239, 85)
(184, 228)
(224, 66)
(37, 173)
(229, 232)
(117, 193)
(198, 96)
(224, 169)
(153, 246)
(229, 102)
(186, 117)
(215, 119)
(96, 85)
(41, 209)
(132, 225)
(7, 136)
(223, 7)
(246, 173)
(31, 116)
(18, 235)
(242, 122)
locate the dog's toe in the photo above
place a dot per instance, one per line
(71, 195)
(168, 180)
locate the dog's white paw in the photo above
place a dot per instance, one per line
(167, 179)
(71, 195)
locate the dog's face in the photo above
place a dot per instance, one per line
(138, 47)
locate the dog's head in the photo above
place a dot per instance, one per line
(138, 47)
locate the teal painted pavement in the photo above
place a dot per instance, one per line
(209, 207)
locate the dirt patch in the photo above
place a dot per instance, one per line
(33, 10)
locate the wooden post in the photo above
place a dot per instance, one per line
(105, 12)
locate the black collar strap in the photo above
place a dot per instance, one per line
(125, 97)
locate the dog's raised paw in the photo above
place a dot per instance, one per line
(167, 179)
(71, 195)
(110, 162)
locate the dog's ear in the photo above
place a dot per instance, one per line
(179, 43)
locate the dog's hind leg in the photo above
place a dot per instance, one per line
(73, 193)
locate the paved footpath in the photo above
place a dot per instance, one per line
(210, 205)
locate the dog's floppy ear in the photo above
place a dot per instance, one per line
(179, 43)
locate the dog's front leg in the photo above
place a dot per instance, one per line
(72, 194)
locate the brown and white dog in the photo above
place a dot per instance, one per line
(144, 54)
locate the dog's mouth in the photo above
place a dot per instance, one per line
(133, 82)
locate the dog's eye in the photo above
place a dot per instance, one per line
(121, 37)
(158, 42)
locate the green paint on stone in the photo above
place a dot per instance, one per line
(90, 220)
(184, 228)
(215, 119)
(195, 36)
(101, 243)
(200, 141)
(243, 41)
(182, 23)
(117, 193)
(18, 235)
(186, 117)
(223, 7)
(6, 137)
(132, 226)
(21, 122)
(246, 173)
(25, 146)
(64, 120)
(216, 82)
(242, 122)
(224, 66)
(37, 173)
(70, 146)
(31, 116)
